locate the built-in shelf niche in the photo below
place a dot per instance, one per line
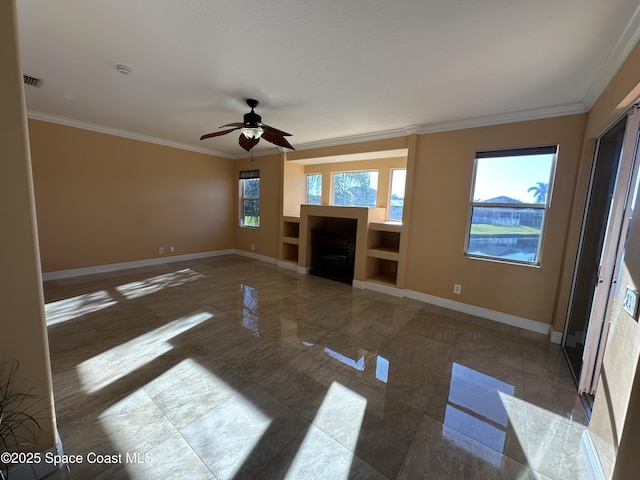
(383, 253)
(290, 239)
(380, 270)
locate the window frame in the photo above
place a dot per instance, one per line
(245, 175)
(341, 172)
(391, 172)
(513, 152)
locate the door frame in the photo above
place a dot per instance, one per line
(609, 262)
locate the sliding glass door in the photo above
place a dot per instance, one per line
(594, 274)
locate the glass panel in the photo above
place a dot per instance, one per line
(396, 200)
(506, 233)
(355, 189)
(251, 213)
(594, 229)
(314, 189)
(518, 179)
(251, 188)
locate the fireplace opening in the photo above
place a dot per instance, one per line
(333, 253)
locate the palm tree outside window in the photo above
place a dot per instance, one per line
(510, 198)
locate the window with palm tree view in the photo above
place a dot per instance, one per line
(355, 189)
(510, 197)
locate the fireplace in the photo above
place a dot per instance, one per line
(333, 254)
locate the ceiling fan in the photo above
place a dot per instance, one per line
(252, 129)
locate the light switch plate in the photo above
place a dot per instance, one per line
(630, 302)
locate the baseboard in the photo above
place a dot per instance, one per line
(590, 457)
(387, 289)
(556, 337)
(38, 471)
(255, 256)
(287, 265)
(359, 284)
(113, 267)
(505, 318)
(304, 270)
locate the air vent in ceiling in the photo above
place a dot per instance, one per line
(32, 81)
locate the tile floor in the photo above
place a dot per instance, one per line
(230, 368)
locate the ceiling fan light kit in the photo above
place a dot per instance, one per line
(252, 130)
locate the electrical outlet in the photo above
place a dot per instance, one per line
(457, 288)
(253, 247)
(161, 250)
(171, 249)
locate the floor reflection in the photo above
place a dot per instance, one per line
(475, 417)
(382, 369)
(250, 309)
(350, 362)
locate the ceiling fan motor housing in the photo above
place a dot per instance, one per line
(252, 119)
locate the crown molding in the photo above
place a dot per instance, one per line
(509, 117)
(412, 129)
(626, 43)
(360, 138)
(69, 122)
(487, 120)
(484, 121)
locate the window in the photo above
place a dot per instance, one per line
(314, 189)
(250, 198)
(355, 189)
(396, 198)
(510, 197)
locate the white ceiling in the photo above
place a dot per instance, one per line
(330, 71)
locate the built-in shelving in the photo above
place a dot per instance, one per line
(383, 253)
(378, 253)
(290, 239)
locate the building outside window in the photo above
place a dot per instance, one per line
(511, 192)
(314, 189)
(396, 197)
(355, 189)
(250, 198)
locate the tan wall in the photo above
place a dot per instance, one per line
(104, 199)
(22, 324)
(294, 191)
(442, 175)
(265, 239)
(614, 425)
(348, 149)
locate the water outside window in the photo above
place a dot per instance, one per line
(510, 197)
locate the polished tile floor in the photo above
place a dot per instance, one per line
(230, 368)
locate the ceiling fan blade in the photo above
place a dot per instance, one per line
(217, 134)
(275, 130)
(234, 124)
(276, 139)
(247, 143)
